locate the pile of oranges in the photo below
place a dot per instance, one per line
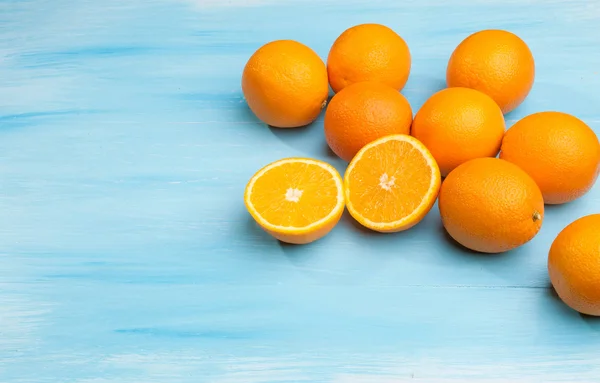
(495, 181)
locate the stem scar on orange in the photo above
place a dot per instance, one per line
(391, 183)
(296, 200)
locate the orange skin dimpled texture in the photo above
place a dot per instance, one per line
(368, 52)
(495, 62)
(574, 265)
(285, 84)
(490, 205)
(457, 125)
(362, 113)
(559, 151)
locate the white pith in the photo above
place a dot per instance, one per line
(385, 182)
(293, 195)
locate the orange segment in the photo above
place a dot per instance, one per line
(296, 200)
(392, 183)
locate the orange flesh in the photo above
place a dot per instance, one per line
(311, 193)
(378, 184)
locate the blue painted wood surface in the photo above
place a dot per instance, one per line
(126, 254)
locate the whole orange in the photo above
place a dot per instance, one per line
(368, 52)
(457, 125)
(490, 205)
(574, 265)
(285, 84)
(362, 113)
(495, 62)
(559, 151)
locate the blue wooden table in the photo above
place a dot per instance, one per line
(126, 253)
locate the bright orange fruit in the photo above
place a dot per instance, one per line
(490, 205)
(559, 151)
(391, 183)
(457, 125)
(368, 52)
(574, 265)
(364, 112)
(495, 62)
(285, 84)
(296, 200)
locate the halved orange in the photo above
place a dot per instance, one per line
(296, 200)
(391, 183)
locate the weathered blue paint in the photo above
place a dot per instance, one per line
(126, 254)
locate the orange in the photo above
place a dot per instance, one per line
(459, 124)
(368, 52)
(391, 184)
(559, 151)
(363, 112)
(495, 62)
(296, 200)
(490, 205)
(285, 84)
(574, 265)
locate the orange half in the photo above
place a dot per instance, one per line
(296, 200)
(391, 183)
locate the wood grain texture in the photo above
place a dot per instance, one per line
(126, 254)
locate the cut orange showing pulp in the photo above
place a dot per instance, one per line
(391, 183)
(296, 200)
